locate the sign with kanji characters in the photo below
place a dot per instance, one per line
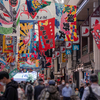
(75, 47)
(66, 22)
(63, 57)
(96, 35)
(68, 52)
(46, 34)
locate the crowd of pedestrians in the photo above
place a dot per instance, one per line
(48, 90)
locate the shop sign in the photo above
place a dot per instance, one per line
(68, 52)
(85, 50)
(63, 57)
(75, 47)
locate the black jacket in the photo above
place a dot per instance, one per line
(10, 92)
(37, 91)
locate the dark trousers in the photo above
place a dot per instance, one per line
(66, 98)
(29, 96)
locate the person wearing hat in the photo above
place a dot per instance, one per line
(38, 89)
(50, 93)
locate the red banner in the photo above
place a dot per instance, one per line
(96, 35)
(46, 34)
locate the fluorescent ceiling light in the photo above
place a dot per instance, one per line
(82, 6)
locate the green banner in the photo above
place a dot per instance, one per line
(13, 73)
(99, 78)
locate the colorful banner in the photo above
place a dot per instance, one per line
(48, 53)
(68, 52)
(75, 47)
(9, 44)
(9, 17)
(66, 22)
(63, 57)
(96, 35)
(86, 77)
(26, 44)
(46, 34)
(34, 6)
(13, 73)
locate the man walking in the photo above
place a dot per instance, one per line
(11, 87)
(67, 92)
(94, 87)
(73, 86)
(38, 89)
(29, 91)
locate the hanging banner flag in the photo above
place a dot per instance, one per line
(9, 44)
(10, 57)
(96, 35)
(13, 73)
(27, 42)
(9, 17)
(34, 6)
(68, 45)
(46, 34)
(68, 52)
(75, 47)
(63, 57)
(85, 31)
(62, 49)
(66, 22)
(77, 40)
(57, 53)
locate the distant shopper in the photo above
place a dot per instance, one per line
(22, 84)
(29, 91)
(11, 87)
(81, 90)
(61, 87)
(67, 92)
(73, 86)
(50, 93)
(20, 93)
(92, 92)
(38, 89)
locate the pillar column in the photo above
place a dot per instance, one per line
(55, 68)
(48, 73)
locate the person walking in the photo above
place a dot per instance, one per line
(38, 89)
(92, 92)
(73, 86)
(29, 91)
(11, 87)
(20, 93)
(81, 90)
(67, 92)
(50, 93)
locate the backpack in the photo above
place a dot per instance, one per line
(29, 89)
(91, 96)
